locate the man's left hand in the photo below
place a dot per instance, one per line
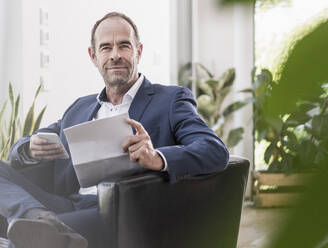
(141, 148)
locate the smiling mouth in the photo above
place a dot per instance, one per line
(116, 68)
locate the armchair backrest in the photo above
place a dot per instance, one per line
(146, 211)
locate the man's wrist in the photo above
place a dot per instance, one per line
(164, 165)
(25, 155)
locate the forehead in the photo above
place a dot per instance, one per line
(113, 29)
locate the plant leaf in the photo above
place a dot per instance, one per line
(298, 118)
(306, 106)
(16, 110)
(212, 83)
(38, 119)
(12, 102)
(219, 131)
(221, 95)
(307, 152)
(11, 95)
(233, 107)
(275, 123)
(204, 87)
(4, 151)
(319, 125)
(229, 77)
(292, 140)
(28, 122)
(2, 111)
(248, 90)
(38, 91)
(269, 152)
(260, 88)
(266, 76)
(201, 66)
(206, 106)
(234, 137)
(1, 140)
(12, 135)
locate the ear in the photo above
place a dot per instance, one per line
(139, 51)
(92, 55)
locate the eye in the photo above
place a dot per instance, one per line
(105, 48)
(123, 46)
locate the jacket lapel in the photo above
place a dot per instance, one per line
(86, 115)
(141, 100)
(137, 108)
(90, 111)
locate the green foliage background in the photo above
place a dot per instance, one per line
(211, 92)
(302, 78)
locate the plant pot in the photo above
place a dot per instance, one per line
(278, 189)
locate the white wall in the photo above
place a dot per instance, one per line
(10, 45)
(71, 73)
(30, 59)
(223, 38)
(215, 36)
(244, 61)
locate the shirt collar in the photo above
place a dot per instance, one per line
(102, 96)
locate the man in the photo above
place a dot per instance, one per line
(169, 136)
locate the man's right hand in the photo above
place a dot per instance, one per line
(40, 149)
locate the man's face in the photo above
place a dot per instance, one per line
(116, 53)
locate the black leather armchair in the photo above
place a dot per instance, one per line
(146, 211)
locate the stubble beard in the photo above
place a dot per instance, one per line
(120, 83)
(117, 80)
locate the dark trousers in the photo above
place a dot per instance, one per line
(18, 194)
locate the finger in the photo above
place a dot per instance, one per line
(137, 146)
(137, 125)
(46, 155)
(51, 157)
(135, 156)
(131, 140)
(49, 152)
(46, 147)
(36, 140)
(142, 155)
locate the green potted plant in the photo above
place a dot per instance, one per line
(297, 143)
(304, 70)
(211, 92)
(12, 130)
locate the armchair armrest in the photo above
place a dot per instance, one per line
(147, 211)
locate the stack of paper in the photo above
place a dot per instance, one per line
(96, 150)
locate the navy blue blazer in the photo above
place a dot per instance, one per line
(169, 115)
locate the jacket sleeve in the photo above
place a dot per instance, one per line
(16, 151)
(198, 149)
(15, 155)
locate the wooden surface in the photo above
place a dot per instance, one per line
(278, 180)
(281, 179)
(276, 199)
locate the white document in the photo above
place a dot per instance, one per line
(96, 149)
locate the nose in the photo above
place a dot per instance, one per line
(115, 54)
